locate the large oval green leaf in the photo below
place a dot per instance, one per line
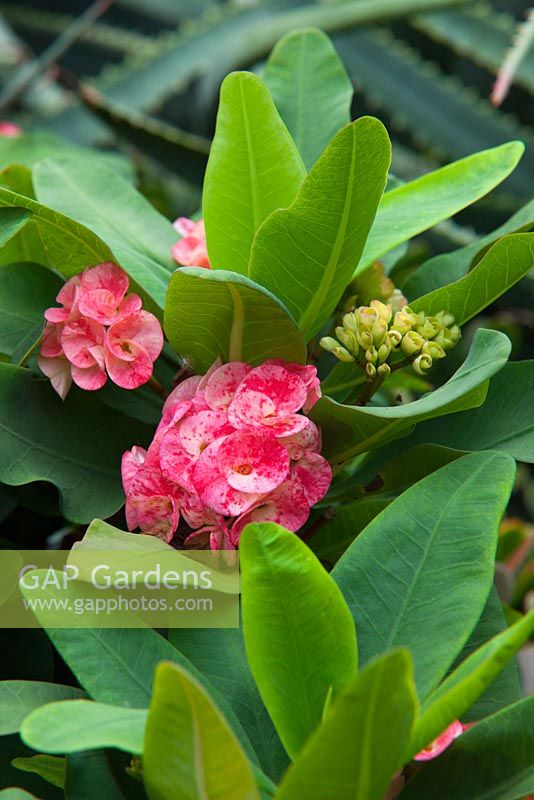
(140, 238)
(219, 314)
(504, 422)
(12, 220)
(491, 761)
(505, 263)
(431, 552)
(76, 445)
(71, 726)
(354, 754)
(254, 168)
(219, 654)
(299, 634)
(463, 686)
(26, 290)
(189, 750)
(422, 203)
(19, 698)
(349, 430)
(306, 254)
(310, 88)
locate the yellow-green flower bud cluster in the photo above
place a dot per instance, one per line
(371, 334)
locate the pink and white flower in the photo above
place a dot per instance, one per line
(191, 250)
(77, 346)
(238, 449)
(10, 130)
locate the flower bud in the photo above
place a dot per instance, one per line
(365, 338)
(370, 370)
(348, 339)
(428, 328)
(422, 363)
(393, 339)
(404, 321)
(371, 354)
(366, 317)
(329, 344)
(380, 329)
(434, 350)
(350, 322)
(445, 318)
(343, 354)
(383, 352)
(411, 343)
(384, 370)
(383, 311)
(397, 301)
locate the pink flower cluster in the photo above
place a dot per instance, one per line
(9, 130)
(99, 331)
(232, 448)
(191, 250)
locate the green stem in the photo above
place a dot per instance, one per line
(29, 353)
(369, 390)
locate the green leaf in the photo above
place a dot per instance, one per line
(345, 523)
(26, 290)
(506, 688)
(491, 761)
(447, 267)
(189, 750)
(69, 246)
(12, 793)
(505, 263)
(431, 553)
(307, 254)
(12, 220)
(355, 752)
(42, 438)
(219, 654)
(254, 168)
(75, 725)
(89, 775)
(139, 237)
(310, 88)
(49, 768)
(299, 634)
(19, 698)
(349, 430)
(117, 666)
(505, 422)
(422, 203)
(210, 314)
(463, 686)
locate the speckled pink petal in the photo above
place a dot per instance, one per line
(176, 463)
(286, 389)
(68, 294)
(101, 305)
(441, 742)
(314, 474)
(107, 276)
(56, 315)
(185, 390)
(78, 339)
(89, 378)
(10, 130)
(305, 441)
(51, 344)
(58, 370)
(185, 226)
(308, 374)
(287, 425)
(287, 506)
(132, 461)
(250, 409)
(224, 382)
(223, 499)
(191, 252)
(199, 430)
(143, 328)
(195, 513)
(253, 462)
(158, 515)
(130, 374)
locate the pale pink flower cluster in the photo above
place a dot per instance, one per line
(99, 331)
(10, 130)
(232, 447)
(191, 250)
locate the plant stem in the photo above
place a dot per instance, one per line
(29, 353)
(369, 390)
(156, 386)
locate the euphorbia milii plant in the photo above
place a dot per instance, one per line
(285, 377)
